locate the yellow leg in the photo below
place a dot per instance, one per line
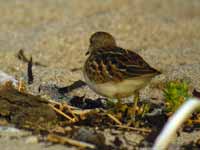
(136, 98)
(134, 109)
(119, 100)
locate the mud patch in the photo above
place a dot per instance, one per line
(26, 110)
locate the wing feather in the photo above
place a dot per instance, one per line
(116, 64)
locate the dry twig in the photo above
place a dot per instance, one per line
(29, 71)
(63, 114)
(64, 140)
(70, 110)
(114, 119)
(58, 103)
(21, 86)
(133, 129)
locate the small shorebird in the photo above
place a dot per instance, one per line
(112, 71)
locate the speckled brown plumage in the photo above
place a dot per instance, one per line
(115, 64)
(108, 63)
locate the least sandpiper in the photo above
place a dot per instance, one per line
(112, 71)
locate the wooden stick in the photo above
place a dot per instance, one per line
(114, 119)
(196, 121)
(58, 103)
(65, 140)
(54, 102)
(21, 86)
(70, 111)
(61, 113)
(133, 129)
(85, 111)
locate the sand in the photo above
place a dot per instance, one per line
(56, 33)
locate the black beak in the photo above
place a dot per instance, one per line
(87, 53)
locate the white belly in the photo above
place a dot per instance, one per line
(121, 89)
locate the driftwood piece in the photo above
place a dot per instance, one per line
(26, 110)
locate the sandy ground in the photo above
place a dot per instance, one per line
(56, 33)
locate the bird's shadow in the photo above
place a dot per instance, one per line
(81, 102)
(76, 85)
(62, 94)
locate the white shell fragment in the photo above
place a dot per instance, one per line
(4, 77)
(174, 122)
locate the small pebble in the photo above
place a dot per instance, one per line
(31, 140)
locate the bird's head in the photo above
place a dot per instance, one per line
(100, 40)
